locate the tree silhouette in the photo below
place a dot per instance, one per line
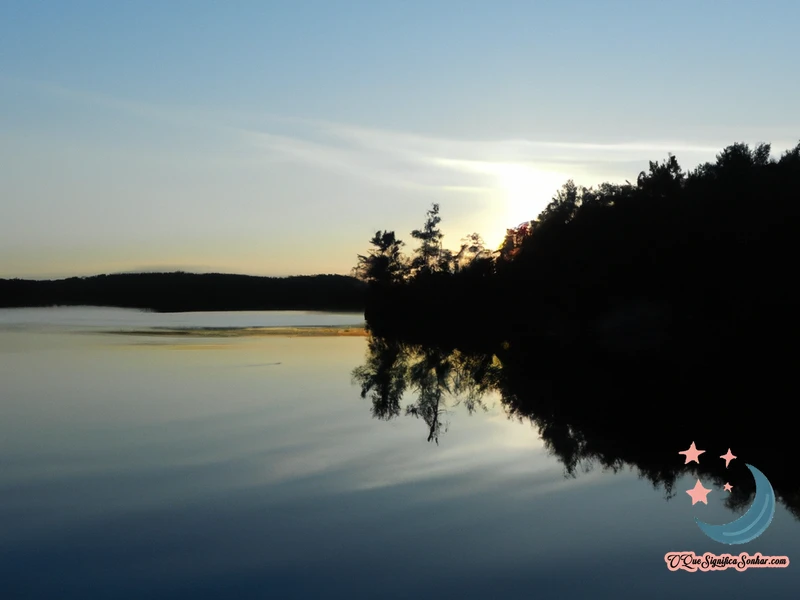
(384, 264)
(670, 259)
(429, 258)
(620, 309)
(473, 256)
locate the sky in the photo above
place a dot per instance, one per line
(275, 138)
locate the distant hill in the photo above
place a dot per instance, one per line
(184, 292)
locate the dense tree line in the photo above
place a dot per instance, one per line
(176, 292)
(624, 322)
(707, 255)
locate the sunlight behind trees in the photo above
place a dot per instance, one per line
(676, 247)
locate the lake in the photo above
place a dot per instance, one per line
(231, 455)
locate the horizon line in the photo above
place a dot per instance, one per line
(173, 272)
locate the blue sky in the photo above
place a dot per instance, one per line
(276, 137)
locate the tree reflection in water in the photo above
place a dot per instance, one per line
(612, 416)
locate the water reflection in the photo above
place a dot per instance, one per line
(594, 413)
(434, 376)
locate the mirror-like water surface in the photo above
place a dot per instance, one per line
(167, 466)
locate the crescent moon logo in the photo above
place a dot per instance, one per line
(751, 524)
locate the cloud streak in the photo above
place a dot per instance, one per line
(399, 159)
(515, 176)
(423, 162)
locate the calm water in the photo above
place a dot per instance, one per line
(161, 466)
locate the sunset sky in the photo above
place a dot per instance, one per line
(275, 138)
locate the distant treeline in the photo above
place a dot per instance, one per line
(700, 264)
(178, 292)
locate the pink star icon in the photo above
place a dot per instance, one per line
(728, 487)
(692, 454)
(728, 457)
(698, 493)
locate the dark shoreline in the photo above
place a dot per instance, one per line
(189, 292)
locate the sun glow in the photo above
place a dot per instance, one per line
(524, 192)
(518, 192)
(527, 190)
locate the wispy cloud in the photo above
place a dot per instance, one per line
(402, 159)
(418, 161)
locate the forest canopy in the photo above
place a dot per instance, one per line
(715, 244)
